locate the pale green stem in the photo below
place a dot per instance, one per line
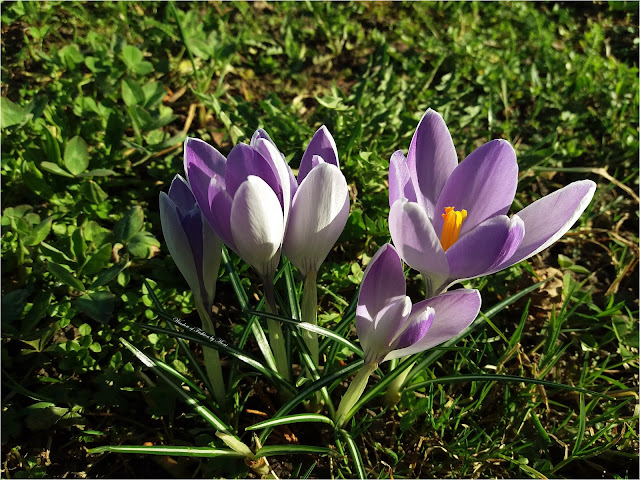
(394, 393)
(310, 314)
(212, 358)
(276, 337)
(354, 392)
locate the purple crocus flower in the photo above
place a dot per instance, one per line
(449, 221)
(390, 326)
(194, 246)
(246, 197)
(320, 206)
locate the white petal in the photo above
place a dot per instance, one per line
(257, 225)
(318, 215)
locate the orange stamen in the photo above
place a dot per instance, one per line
(451, 229)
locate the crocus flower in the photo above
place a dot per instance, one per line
(320, 206)
(197, 251)
(194, 246)
(449, 221)
(389, 326)
(245, 198)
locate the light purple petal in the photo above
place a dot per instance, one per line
(323, 145)
(257, 225)
(212, 255)
(180, 194)
(416, 327)
(177, 241)
(475, 253)
(431, 159)
(318, 215)
(260, 133)
(547, 219)
(376, 335)
(453, 312)
(484, 185)
(400, 184)
(417, 242)
(278, 165)
(243, 161)
(218, 213)
(383, 281)
(205, 157)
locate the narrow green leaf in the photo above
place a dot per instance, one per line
(487, 377)
(311, 328)
(355, 454)
(273, 450)
(196, 334)
(192, 401)
(65, 276)
(76, 155)
(297, 418)
(198, 452)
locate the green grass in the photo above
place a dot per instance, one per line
(96, 101)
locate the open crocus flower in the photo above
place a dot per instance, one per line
(245, 198)
(320, 206)
(390, 326)
(449, 221)
(194, 246)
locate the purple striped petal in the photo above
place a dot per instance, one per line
(260, 133)
(212, 256)
(323, 145)
(484, 185)
(180, 194)
(475, 253)
(417, 243)
(547, 219)
(218, 213)
(280, 167)
(205, 157)
(243, 161)
(453, 312)
(431, 160)
(416, 327)
(382, 282)
(400, 183)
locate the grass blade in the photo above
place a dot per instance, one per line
(286, 420)
(202, 452)
(272, 450)
(355, 454)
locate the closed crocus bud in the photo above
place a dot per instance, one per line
(245, 198)
(319, 213)
(449, 220)
(194, 246)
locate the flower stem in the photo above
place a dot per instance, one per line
(212, 358)
(310, 313)
(354, 392)
(276, 337)
(394, 393)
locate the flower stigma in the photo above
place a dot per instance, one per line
(451, 229)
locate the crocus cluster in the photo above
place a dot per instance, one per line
(447, 220)
(255, 204)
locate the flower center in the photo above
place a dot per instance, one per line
(451, 229)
